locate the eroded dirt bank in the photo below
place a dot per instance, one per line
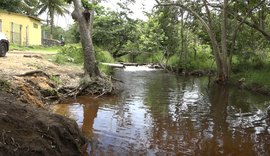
(27, 130)
(26, 125)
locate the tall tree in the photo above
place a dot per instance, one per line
(168, 22)
(53, 7)
(220, 52)
(84, 13)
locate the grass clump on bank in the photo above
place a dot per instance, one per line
(4, 85)
(253, 75)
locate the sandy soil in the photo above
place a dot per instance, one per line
(16, 63)
(26, 126)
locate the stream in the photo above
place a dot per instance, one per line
(163, 114)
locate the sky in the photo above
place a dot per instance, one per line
(137, 8)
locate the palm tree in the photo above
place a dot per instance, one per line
(53, 7)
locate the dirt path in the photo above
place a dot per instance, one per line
(16, 63)
(28, 128)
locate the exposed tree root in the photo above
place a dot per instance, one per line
(89, 86)
(34, 73)
(37, 88)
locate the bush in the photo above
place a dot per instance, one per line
(202, 60)
(71, 54)
(149, 58)
(174, 61)
(104, 56)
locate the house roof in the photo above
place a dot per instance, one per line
(32, 17)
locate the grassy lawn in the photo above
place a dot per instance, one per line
(40, 49)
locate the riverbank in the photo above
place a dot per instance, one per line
(27, 126)
(255, 81)
(28, 130)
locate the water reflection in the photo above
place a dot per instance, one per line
(162, 114)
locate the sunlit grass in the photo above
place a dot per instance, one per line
(35, 48)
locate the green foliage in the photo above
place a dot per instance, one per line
(56, 79)
(152, 35)
(11, 5)
(254, 68)
(113, 30)
(250, 61)
(87, 5)
(168, 23)
(73, 54)
(174, 61)
(57, 32)
(70, 54)
(257, 78)
(149, 57)
(103, 56)
(72, 35)
(30, 7)
(52, 7)
(203, 59)
(68, 1)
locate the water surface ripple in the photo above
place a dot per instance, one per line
(163, 114)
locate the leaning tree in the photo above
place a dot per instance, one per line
(94, 81)
(222, 36)
(84, 13)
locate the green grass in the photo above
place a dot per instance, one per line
(36, 48)
(255, 71)
(256, 74)
(256, 78)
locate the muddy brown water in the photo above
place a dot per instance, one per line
(163, 114)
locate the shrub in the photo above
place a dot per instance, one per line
(69, 53)
(103, 56)
(73, 54)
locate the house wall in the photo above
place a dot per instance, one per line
(20, 29)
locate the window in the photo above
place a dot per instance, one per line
(35, 25)
(15, 33)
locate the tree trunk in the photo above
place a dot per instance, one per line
(85, 27)
(51, 23)
(182, 61)
(225, 58)
(215, 47)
